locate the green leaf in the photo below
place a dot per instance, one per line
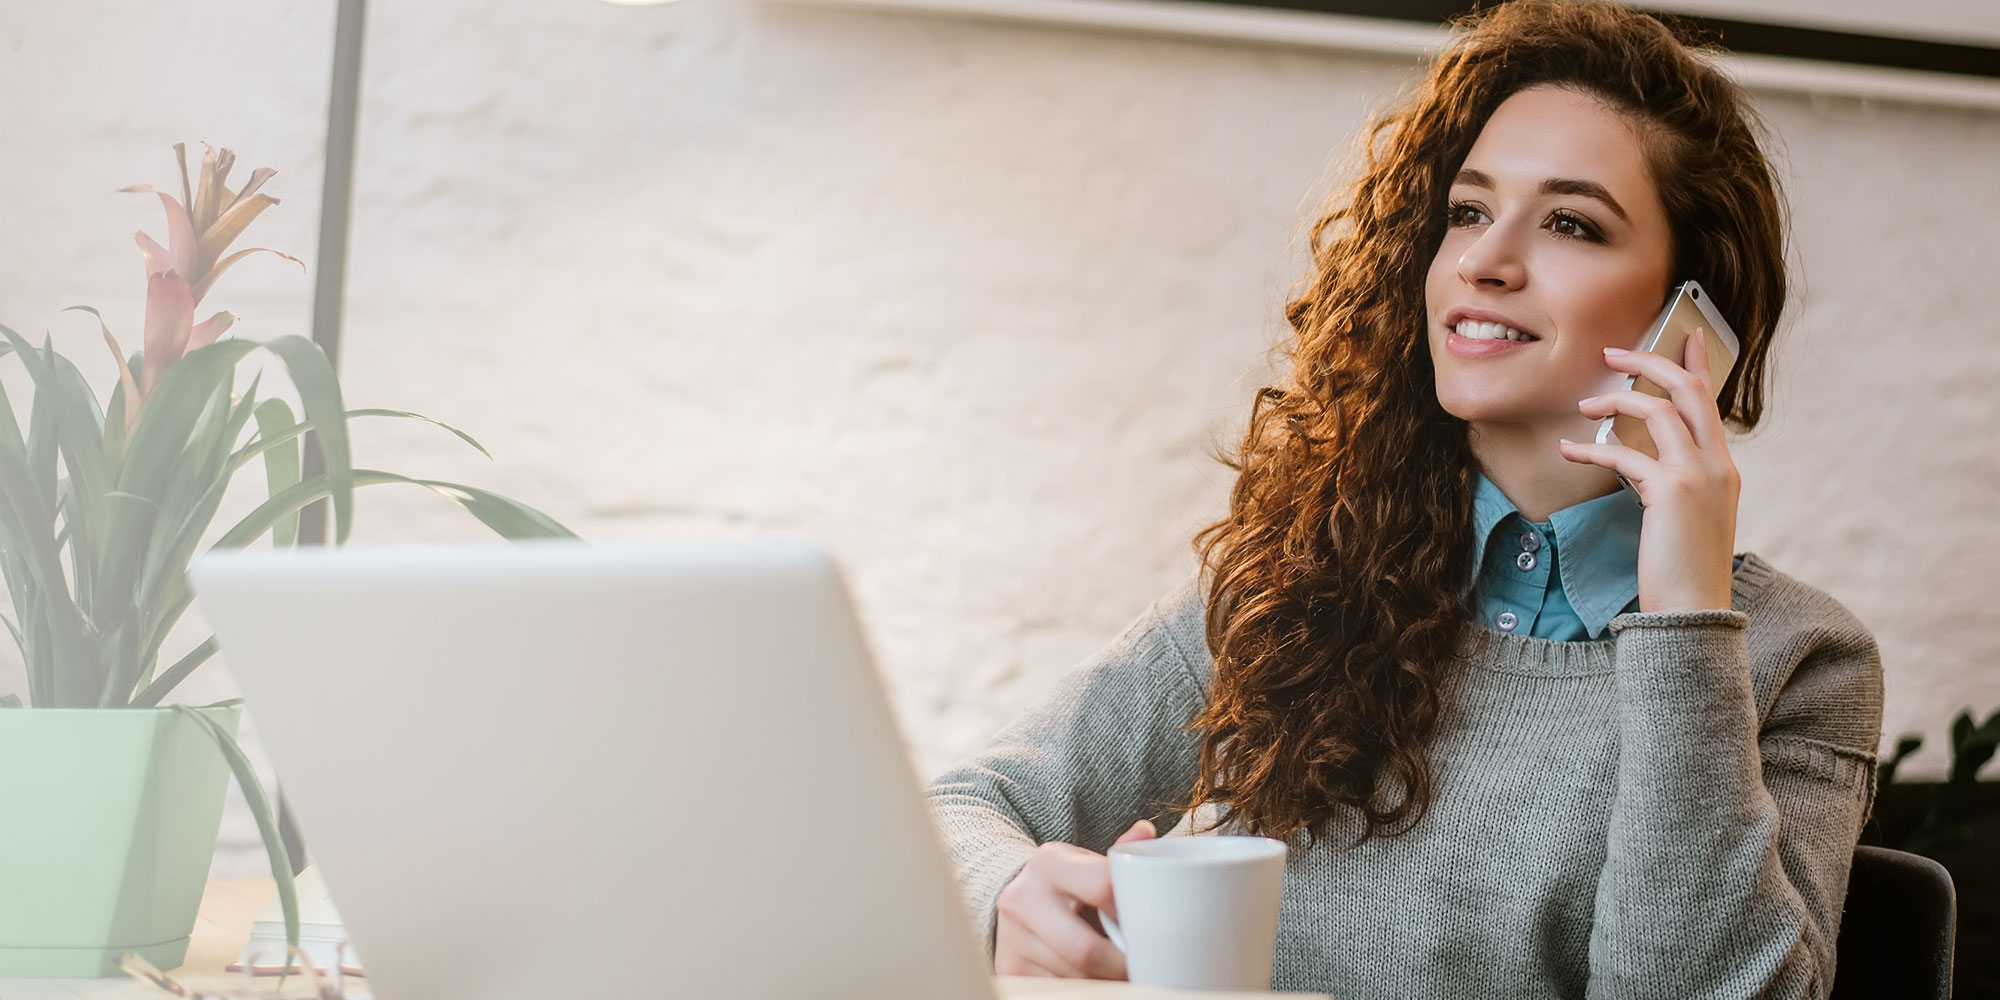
(261, 443)
(15, 631)
(1961, 728)
(10, 700)
(30, 524)
(281, 462)
(120, 496)
(168, 488)
(70, 507)
(319, 395)
(508, 518)
(260, 809)
(194, 494)
(188, 486)
(27, 521)
(88, 414)
(114, 411)
(159, 444)
(175, 674)
(164, 593)
(462, 436)
(78, 429)
(119, 651)
(42, 447)
(21, 591)
(171, 605)
(34, 653)
(1885, 772)
(1992, 723)
(21, 583)
(1972, 746)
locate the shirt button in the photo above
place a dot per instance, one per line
(1525, 560)
(1531, 541)
(1507, 621)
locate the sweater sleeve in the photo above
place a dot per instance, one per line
(1732, 830)
(1103, 750)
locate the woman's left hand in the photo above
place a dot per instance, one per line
(1688, 537)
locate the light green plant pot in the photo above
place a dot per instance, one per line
(110, 819)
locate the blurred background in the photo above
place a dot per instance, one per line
(968, 290)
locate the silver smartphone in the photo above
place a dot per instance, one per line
(1689, 307)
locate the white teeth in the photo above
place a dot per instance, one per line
(1475, 330)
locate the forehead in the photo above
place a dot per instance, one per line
(1548, 132)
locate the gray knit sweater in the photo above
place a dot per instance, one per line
(1667, 812)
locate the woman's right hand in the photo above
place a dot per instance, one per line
(1046, 918)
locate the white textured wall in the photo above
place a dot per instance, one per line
(969, 302)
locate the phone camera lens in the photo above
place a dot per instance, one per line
(1694, 293)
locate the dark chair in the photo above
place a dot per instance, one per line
(1897, 929)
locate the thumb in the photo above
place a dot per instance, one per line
(1142, 830)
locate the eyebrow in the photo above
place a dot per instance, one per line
(1553, 185)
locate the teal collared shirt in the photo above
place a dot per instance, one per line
(1562, 579)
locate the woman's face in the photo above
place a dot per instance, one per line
(1555, 231)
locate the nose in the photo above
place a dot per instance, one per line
(1493, 261)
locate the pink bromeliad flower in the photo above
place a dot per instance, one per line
(200, 226)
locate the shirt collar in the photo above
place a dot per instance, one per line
(1489, 508)
(1597, 542)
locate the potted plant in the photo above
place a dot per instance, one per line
(1955, 822)
(113, 801)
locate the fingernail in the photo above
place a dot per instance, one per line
(1586, 401)
(1616, 350)
(1565, 440)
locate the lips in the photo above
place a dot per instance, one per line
(1465, 347)
(1481, 321)
(1489, 323)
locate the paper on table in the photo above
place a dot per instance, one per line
(320, 932)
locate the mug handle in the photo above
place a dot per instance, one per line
(1111, 930)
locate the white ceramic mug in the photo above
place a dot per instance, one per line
(1197, 913)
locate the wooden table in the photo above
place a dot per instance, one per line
(229, 906)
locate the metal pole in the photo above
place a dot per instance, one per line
(329, 291)
(336, 199)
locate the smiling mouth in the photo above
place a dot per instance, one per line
(1477, 330)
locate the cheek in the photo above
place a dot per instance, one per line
(1438, 280)
(1609, 306)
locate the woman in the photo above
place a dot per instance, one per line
(1527, 734)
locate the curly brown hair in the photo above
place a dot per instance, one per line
(1339, 581)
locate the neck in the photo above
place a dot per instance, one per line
(1523, 461)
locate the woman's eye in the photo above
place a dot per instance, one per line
(1464, 214)
(1571, 227)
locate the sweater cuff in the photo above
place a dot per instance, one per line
(982, 891)
(1726, 617)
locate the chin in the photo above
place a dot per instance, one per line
(1482, 403)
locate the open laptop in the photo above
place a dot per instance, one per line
(558, 770)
